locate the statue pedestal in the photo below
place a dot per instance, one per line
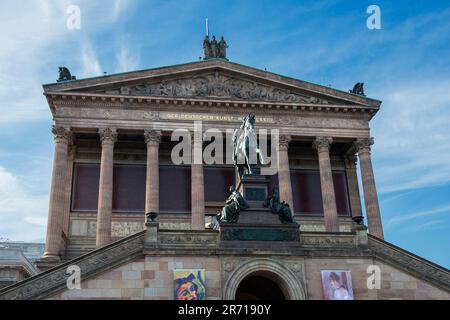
(254, 189)
(257, 225)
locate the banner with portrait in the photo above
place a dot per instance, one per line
(189, 284)
(337, 285)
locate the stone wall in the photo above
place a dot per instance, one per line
(395, 284)
(148, 277)
(151, 277)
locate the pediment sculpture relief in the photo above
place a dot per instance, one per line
(215, 86)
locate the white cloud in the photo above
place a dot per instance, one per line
(429, 225)
(409, 217)
(90, 64)
(126, 61)
(23, 214)
(38, 221)
(412, 148)
(118, 7)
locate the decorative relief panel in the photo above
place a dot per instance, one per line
(326, 240)
(175, 225)
(214, 86)
(120, 229)
(188, 240)
(123, 229)
(321, 227)
(312, 227)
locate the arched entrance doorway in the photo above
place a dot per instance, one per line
(268, 272)
(259, 286)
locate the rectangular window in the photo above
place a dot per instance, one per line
(129, 188)
(217, 183)
(307, 192)
(85, 186)
(175, 189)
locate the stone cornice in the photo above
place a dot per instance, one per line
(123, 101)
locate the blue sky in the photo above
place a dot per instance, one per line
(406, 64)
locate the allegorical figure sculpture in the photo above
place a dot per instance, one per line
(206, 48)
(282, 209)
(358, 88)
(233, 206)
(222, 48)
(214, 49)
(245, 146)
(64, 75)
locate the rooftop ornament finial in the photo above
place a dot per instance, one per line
(64, 75)
(358, 88)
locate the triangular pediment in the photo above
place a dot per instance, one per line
(214, 79)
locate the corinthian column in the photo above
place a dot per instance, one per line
(152, 138)
(108, 137)
(57, 192)
(353, 188)
(197, 185)
(322, 144)
(284, 174)
(370, 190)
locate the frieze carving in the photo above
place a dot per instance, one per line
(348, 121)
(45, 284)
(312, 227)
(175, 225)
(259, 234)
(187, 239)
(327, 240)
(215, 86)
(126, 228)
(150, 115)
(389, 254)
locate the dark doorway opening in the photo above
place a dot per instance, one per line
(259, 287)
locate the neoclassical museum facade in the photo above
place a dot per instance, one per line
(113, 163)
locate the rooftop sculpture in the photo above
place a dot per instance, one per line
(214, 49)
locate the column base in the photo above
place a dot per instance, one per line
(50, 257)
(48, 262)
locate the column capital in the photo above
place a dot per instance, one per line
(322, 144)
(152, 137)
(283, 142)
(108, 135)
(363, 144)
(62, 134)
